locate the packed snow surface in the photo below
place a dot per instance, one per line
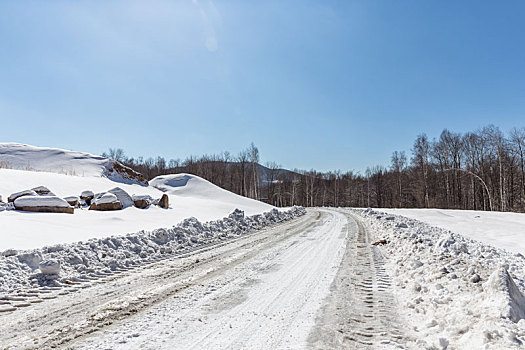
(502, 230)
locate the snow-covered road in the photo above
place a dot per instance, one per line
(264, 290)
(265, 297)
(315, 282)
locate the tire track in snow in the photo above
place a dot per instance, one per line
(361, 312)
(59, 321)
(267, 302)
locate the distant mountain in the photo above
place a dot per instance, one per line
(266, 175)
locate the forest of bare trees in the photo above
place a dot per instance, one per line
(480, 170)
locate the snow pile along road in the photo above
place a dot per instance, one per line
(456, 292)
(65, 264)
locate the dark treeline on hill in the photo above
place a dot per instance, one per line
(479, 170)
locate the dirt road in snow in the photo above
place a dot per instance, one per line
(315, 282)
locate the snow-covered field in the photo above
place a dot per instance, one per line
(502, 230)
(240, 274)
(189, 196)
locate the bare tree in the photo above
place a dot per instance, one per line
(517, 141)
(254, 159)
(421, 163)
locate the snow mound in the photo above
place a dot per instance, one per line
(506, 298)
(452, 288)
(123, 197)
(87, 259)
(106, 198)
(188, 185)
(55, 160)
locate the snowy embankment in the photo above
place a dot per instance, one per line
(49, 248)
(500, 229)
(68, 173)
(454, 291)
(64, 264)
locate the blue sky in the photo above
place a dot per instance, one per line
(314, 84)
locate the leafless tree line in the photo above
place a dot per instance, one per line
(480, 170)
(238, 174)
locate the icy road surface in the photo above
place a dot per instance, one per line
(314, 282)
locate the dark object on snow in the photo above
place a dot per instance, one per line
(380, 242)
(87, 196)
(47, 204)
(163, 203)
(142, 202)
(43, 191)
(73, 201)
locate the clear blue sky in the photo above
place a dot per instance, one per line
(315, 84)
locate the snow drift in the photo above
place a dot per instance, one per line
(27, 170)
(190, 187)
(62, 264)
(54, 160)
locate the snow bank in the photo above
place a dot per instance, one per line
(60, 264)
(455, 291)
(27, 231)
(54, 160)
(191, 186)
(502, 230)
(506, 299)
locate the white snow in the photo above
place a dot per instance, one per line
(502, 230)
(123, 197)
(33, 230)
(452, 289)
(87, 194)
(194, 189)
(16, 195)
(26, 157)
(72, 199)
(87, 258)
(24, 167)
(106, 198)
(267, 300)
(41, 201)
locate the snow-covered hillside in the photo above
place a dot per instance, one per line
(502, 230)
(192, 190)
(68, 173)
(55, 160)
